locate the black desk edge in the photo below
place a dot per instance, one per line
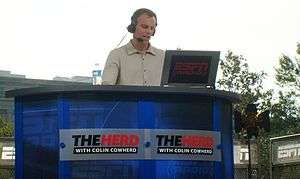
(233, 97)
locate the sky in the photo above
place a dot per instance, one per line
(46, 38)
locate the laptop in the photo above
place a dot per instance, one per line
(190, 68)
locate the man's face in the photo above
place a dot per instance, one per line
(145, 27)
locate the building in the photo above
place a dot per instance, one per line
(241, 159)
(285, 156)
(82, 79)
(10, 81)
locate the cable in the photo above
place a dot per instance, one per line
(122, 40)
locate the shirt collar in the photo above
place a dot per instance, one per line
(131, 50)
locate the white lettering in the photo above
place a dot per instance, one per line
(82, 150)
(165, 150)
(244, 154)
(288, 153)
(201, 151)
(8, 153)
(183, 151)
(100, 150)
(288, 146)
(123, 150)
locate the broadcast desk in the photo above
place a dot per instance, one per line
(128, 132)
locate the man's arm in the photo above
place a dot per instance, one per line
(111, 69)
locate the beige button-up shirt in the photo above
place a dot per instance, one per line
(127, 66)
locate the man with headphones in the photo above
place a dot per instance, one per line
(137, 62)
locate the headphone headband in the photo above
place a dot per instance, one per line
(131, 27)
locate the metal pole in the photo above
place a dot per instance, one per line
(270, 159)
(249, 164)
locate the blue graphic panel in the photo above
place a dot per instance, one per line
(103, 112)
(184, 169)
(104, 169)
(40, 130)
(42, 117)
(183, 112)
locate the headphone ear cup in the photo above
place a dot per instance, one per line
(131, 28)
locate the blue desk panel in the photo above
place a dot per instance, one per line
(39, 118)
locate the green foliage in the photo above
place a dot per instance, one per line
(285, 115)
(263, 152)
(6, 128)
(7, 173)
(288, 73)
(286, 111)
(237, 78)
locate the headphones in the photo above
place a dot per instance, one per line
(132, 26)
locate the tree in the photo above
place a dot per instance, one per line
(288, 73)
(236, 77)
(286, 111)
(6, 127)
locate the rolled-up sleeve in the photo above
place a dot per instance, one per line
(111, 69)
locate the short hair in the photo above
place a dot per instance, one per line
(136, 15)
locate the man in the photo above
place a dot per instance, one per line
(138, 62)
